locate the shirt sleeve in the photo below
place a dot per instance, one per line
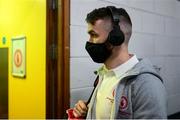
(149, 98)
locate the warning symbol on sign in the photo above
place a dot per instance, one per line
(18, 58)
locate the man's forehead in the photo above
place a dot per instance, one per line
(98, 23)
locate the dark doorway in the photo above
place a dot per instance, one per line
(3, 83)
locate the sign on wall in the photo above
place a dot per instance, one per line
(19, 56)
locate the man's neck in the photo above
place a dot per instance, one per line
(117, 58)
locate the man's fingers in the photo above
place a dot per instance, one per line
(80, 109)
(83, 105)
(76, 112)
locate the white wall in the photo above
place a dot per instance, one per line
(156, 35)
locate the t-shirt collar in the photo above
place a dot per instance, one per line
(120, 70)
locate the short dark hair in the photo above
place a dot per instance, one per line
(104, 12)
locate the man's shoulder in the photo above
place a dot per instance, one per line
(147, 76)
(144, 70)
(148, 84)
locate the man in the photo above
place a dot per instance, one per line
(127, 87)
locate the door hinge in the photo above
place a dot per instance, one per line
(54, 4)
(53, 52)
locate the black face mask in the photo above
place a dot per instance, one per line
(99, 52)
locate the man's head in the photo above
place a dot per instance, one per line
(108, 27)
(112, 21)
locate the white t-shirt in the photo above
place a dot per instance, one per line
(108, 80)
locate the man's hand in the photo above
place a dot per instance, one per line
(80, 109)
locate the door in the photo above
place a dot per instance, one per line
(57, 58)
(3, 83)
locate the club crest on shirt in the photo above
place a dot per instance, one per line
(123, 103)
